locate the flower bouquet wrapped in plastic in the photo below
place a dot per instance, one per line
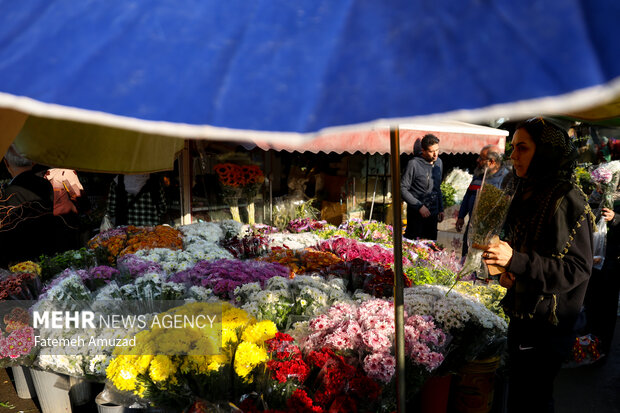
(487, 219)
(606, 177)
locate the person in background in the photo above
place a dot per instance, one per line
(604, 287)
(421, 189)
(547, 254)
(490, 159)
(137, 200)
(28, 227)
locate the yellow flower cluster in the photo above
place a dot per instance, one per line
(27, 267)
(161, 356)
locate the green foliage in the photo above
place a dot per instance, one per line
(448, 193)
(584, 180)
(285, 212)
(76, 259)
(427, 275)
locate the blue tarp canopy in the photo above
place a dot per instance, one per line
(276, 70)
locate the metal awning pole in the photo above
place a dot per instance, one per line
(186, 185)
(399, 342)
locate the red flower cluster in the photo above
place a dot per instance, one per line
(22, 286)
(234, 175)
(374, 278)
(340, 386)
(286, 360)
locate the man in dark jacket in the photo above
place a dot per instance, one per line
(28, 227)
(420, 187)
(490, 158)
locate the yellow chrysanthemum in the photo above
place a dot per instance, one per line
(122, 373)
(26, 266)
(234, 318)
(259, 332)
(229, 336)
(247, 357)
(161, 368)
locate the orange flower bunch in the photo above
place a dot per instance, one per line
(161, 236)
(135, 238)
(114, 244)
(237, 176)
(302, 261)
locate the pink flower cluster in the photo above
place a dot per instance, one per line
(602, 175)
(18, 343)
(349, 249)
(368, 329)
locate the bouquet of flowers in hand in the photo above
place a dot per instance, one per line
(487, 219)
(606, 178)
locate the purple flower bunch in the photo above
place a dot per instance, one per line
(305, 224)
(135, 266)
(250, 246)
(368, 330)
(223, 276)
(97, 277)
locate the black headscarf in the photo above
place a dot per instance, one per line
(549, 179)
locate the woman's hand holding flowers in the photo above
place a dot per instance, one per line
(498, 254)
(607, 214)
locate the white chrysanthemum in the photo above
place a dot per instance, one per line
(278, 283)
(293, 241)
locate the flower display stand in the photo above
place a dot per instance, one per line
(57, 392)
(475, 386)
(24, 385)
(434, 394)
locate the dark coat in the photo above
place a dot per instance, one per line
(28, 227)
(421, 185)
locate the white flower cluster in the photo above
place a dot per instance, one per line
(313, 293)
(459, 179)
(231, 228)
(70, 288)
(451, 310)
(293, 241)
(283, 299)
(201, 231)
(81, 351)
(176, 260)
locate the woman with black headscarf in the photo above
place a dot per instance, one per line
(547, 253)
